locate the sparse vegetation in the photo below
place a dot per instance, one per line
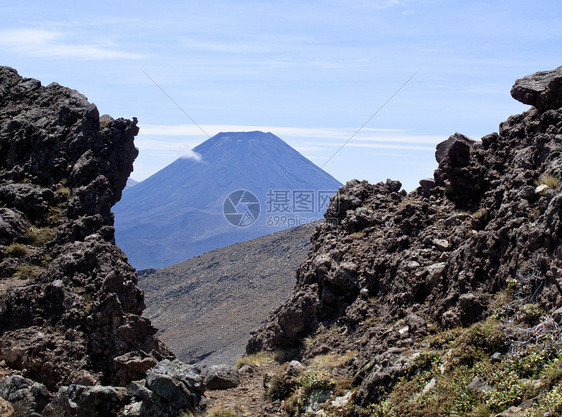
(28, 271)
(475, 343)
(255, 359)
(479, 214)
(220, 412)
(464, 375)
(332, 360)
(17, 250)
(40, 236)
(549, 180)
(62, 191)
(310, 381)
(322, 336)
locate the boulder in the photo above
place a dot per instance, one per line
(26, 397)
(218, 377)
(83, 401)
(455, 149)
(175, 386)
(542, 89)
(12, 226)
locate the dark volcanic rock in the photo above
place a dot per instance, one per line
(436, 255)
(13, 226)
(27, 397)
(85, 401)
(220, 377)
(175, 386)
(70, 308)
(542, 90)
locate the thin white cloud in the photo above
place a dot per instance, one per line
(391, 146)
(282, 131)
(190, 154)
(322, 143)
(413, 146)
(377, 4)
(305, 139)
(51, 43)
(235, 48)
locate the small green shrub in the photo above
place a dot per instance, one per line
(507, 391)
(549, 404)
(530, 314)
(308, 382)
(552, 373)
(512, 284)
(424, 362)
(533, 361)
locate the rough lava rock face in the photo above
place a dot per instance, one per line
(436, 255)
(542, 90)
(70, 307)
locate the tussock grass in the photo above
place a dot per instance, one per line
(28, 271)
(322, 336)
(333, 360)
(255, 359)
(16, 249)
(549, 180)
(62, 191)
(479, 214)
(220, 412)
(40, 236)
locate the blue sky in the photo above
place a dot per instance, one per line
(310, 72)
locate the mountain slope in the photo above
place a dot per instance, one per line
(207, 305)
(178, 212)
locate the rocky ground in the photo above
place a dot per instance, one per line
(249, 398)
(193, 302)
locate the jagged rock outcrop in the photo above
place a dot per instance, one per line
(386, 264)
(70, 307)
(542, 90)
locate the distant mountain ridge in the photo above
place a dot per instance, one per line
(178, 212)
